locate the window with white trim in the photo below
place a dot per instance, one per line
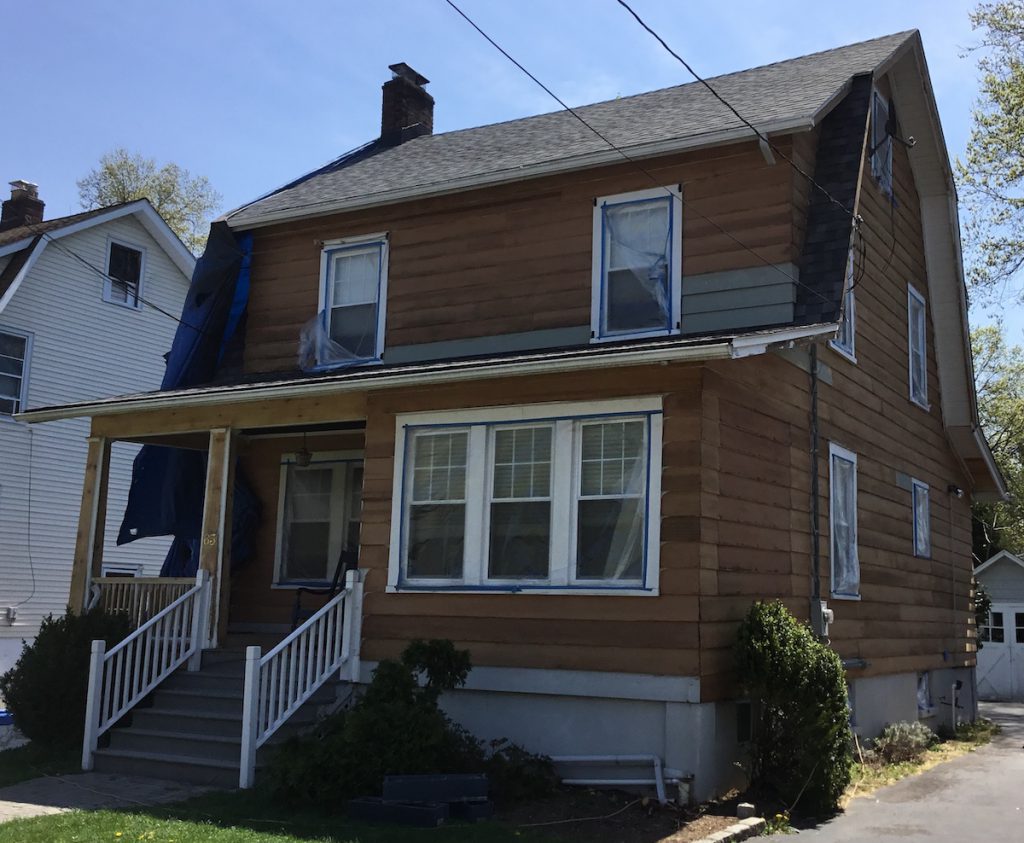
(541, 498)
(917, 338)
(121, 569)
(14, 352)
(845, 341)
(843, 522)
(124, 274)
(318, 516)
(637, 264)
(922, 519)
(994, 631)
(353, 274)
(881, 143)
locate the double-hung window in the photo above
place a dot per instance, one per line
(922, 519)
(637, 264)
(353, 275)
(125, 265)
(917, 338)
(551, 497)
(14, 351)
(881, 143)
(318, 516)
(845, 341)
(843, 522)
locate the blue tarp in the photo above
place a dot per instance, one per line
(166, 494)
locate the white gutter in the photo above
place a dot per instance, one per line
(561, 165)
(751, 344)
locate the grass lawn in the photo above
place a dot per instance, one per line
(31, 761)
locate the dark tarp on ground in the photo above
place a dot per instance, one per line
(166, 494)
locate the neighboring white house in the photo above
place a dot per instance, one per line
(1001, 658)
(80, 317)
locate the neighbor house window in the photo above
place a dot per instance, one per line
(843, 522)
(14, 350)
(318, 516)
(918, 342)
(993, 631)
(124, 274)
(121, 569)
(1019, 622)
(844, 342)
(881, 143)
(548, 497)
(637, 264)
(922, 520)
(352, 297)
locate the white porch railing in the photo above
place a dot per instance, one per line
(277, 684)
(137, 597)
(121, 677)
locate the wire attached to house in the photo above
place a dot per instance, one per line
(634, 161)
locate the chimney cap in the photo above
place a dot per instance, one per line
(403, 71)
(31, 188)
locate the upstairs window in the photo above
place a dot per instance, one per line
(637, 264)
(881, 143)
(845, 339)
(13, 372)
(352, 296)
(917, 336)
(843, 522)
(124, 275)
(922, 520)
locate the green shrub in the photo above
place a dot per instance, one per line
(46, 688)
(801, 750)
(397, 727)
(901, 742)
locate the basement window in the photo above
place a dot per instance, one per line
(14, 353)
(318, 516)
(917, 337)
(843, 523)
(922, 520)
(545, 498)
(881, 143)
(637, 264)
(124, 274)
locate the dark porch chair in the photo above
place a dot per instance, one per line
(348, 560)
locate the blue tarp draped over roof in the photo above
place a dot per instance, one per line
(166, 495)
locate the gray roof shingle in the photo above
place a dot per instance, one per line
(788, 91)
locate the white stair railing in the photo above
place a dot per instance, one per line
(139, 598)
(277, 684)
(121, 677)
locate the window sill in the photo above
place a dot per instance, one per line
(611, 590)
(137, 308)
(842, 352)
(853, 597)
(327, 367)
(926, 407)
(635, 335)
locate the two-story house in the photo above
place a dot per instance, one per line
(88, 305)
(577, 399)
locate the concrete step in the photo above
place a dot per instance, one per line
(186, 768)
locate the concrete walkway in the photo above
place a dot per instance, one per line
(978, 796)
(88, 791)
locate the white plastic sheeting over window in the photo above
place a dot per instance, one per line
(917, 334)
(843, 522)
(922, 520)
(881, 143)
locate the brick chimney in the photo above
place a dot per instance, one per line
(23, 208)
(408, 110)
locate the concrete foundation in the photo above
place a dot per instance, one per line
(877, 701)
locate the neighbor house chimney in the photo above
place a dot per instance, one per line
(408, 110)
(23, 208)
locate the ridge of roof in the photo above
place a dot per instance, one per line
(22, 232)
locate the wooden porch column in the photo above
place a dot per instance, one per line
(91, 523)
(215, 548)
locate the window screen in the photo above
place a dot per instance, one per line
(13, 354)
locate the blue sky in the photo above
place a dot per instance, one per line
(252, 94)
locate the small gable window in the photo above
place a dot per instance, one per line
(124, 275)
(922, 520)
(637, 264)
(843, 522)
(13, 372)
(352, 296)
(917, 335)
(845, 339)
(881, 143)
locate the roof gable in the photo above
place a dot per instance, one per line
(1002, 556)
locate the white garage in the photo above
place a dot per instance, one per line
(1001, 658)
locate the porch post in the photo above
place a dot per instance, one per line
(92, 517)
(215, 546)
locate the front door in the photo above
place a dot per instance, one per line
(1001, 658)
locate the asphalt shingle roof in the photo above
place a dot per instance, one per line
(13, 235)
(787, 91)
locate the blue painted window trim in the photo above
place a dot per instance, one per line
(918, 486)
(405, 584)
(325, 315)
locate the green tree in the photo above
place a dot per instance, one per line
(992, 175)
(186, 202)
(999, 377)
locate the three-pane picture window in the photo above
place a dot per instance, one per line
(14, 350)
(922, 519)
(843, 522)
(917, 335)
(547, 502)
(353, 276)
(124, 274)
(637, 266)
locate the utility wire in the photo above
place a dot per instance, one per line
(633, 160)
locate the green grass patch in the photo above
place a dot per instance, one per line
(32, 761)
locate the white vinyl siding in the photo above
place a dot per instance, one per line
(917, 340)
(843, 523)
(922, 519)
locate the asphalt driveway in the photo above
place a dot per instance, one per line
(979, 796)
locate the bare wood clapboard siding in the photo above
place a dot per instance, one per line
(756, 478)
(477, 263)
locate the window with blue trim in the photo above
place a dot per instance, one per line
(843, 522)
(846, 336)
(637, 264)
(528, 503)
(353, 293)
(922, 520)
